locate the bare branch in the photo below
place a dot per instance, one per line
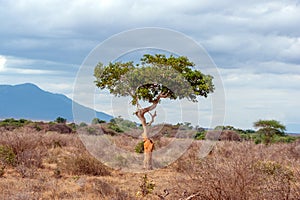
(138, 104)
(161, 95)
(192, 196)
(152, 118)
(140, 113)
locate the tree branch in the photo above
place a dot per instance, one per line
(152, 118)
(192, 196)
(141, 111)
(161, 95)
(138, 104)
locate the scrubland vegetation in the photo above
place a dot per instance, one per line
(38, 161)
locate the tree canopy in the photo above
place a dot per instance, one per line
(154, 77)
(270, 124)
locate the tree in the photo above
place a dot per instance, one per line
(83, 124)
(60, 120)
(221, 128)
(123, 123)
(97, 121)
(269, 128)
(155, 78)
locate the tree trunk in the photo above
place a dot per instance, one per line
(148, 148)
(148, 143)
(145, 129)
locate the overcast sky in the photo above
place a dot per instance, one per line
(254, 44)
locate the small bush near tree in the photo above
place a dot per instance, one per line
(7, 155)
(200, 135)
(146, 186)
(139, 148)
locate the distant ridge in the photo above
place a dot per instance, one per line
(28, 101)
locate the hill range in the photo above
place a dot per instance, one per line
(28, 101)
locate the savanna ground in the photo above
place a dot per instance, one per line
(40, 164)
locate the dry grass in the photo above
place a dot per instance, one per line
(242, 171)
(57, 166)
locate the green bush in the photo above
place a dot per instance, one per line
(60, 120)
(200, 135)
(283, 139)
(274, 139)
(14, 122)
(258, 140)
(146, 186)
(245, 136)
(115, 127)
(91, 130)
(139, 148)
(123, 124)
(83, 124)
(128, 124)
(37, 127)
(98, 121)
(7, 155)
(73, 126)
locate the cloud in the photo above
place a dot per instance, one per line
(292, 52)
(51, 76)
(2, 63)
(251, 96)
(255, 44)
(19, 65)
(69, 30)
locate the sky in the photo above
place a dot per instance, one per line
(255, 46)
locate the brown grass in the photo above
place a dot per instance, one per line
(242, 171)
(50, 165)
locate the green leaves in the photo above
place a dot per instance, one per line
(270, 124)
(172, 77)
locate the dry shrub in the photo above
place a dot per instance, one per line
(213, 135)
(241, 171)
(295, 149)
(21, 139)
(230, 135)
(225, 135)
(23, 189)
(60, 128)
(2, 169)
(125, 142)
(54, 140)
(83, 164)
(30, 147)
(107, 191)
(26, 145)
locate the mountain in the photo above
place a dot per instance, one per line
(28, 101)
